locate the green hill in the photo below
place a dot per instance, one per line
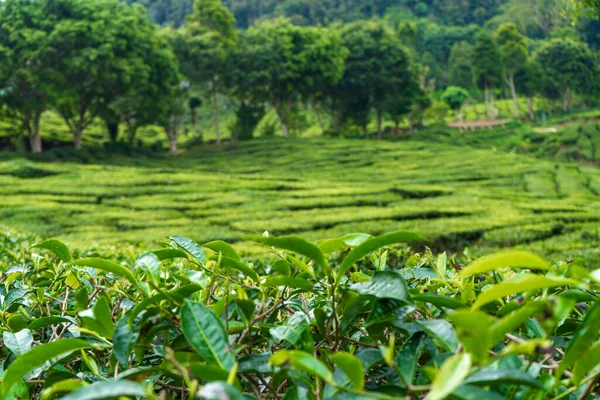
(315, 188)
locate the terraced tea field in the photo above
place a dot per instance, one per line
(314, 188)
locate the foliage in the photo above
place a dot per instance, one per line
(487, 61)
(460, 69)
(343, 317)
(26, 86)
(289, 64)
(568, 65)
(455, 97)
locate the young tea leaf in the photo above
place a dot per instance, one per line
(352, 367)
(512, 259)
(57, 247)
(108, 266)
(373, 244)
(299, 246)
(450, 376)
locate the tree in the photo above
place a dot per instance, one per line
(487, 68)
(535, 18)
(148, 95)
(287, 63)
(96, 47)
(460, 71)
(455, 97)
(379, 74)
(569, 67)
(207, 40)
(172, 118)
(193, 104)
(530, 82)
(27, 64)
(513, 48)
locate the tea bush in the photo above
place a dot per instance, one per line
(347, 318)
(314, 188)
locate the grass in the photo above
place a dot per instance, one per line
(457, 195)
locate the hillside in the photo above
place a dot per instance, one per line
(315, 12)
(456, 195)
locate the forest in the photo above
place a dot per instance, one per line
(299, 199)
(410, 64)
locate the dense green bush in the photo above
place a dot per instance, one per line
(347, 318)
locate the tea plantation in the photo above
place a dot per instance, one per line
(456, 196)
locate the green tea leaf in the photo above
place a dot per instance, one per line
(344, 242)
(373, 244)
(68, 385)
(299, 246)
(205, 332)
(408, 357)
(352, 367)
(450, 376)
(512, 259)
(442, 331)
(19, 342)
(219, 246)
(585, 336)
(38, 357)
(98, 318)
(107, 390)
(220, 391)
(514, 320)
(239, 266)
(521, 284)
(468, 392)
(296, 283)
(57, 247)
(303, 362)
(46, 321)
(472, 328)
(169, 254)
(384, 285)
(108, 266)
(292, 330)
(150, 264)
(440, 301)
(191, 247)
(493, 377)
(440, 266)
(586, 363)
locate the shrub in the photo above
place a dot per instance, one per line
(343, 318)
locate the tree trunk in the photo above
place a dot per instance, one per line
(173, 143)
(171, 131)
(320, 120)
(570, 99)
(131, 133)
(77, 136)
(216, 117)
(35, 140)
(195, 123)
(284, 127)
(459, 114)
(565, 105)
(513, 93)
(283, 112)
(492, 106)
(531, 107)
(379, 125)
(486, 95)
